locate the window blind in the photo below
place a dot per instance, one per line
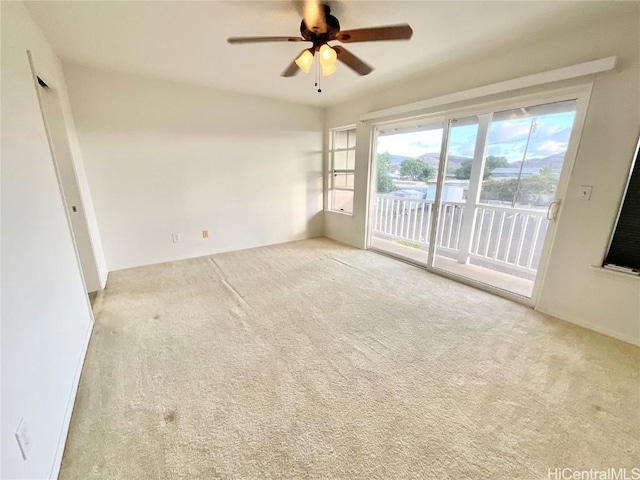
(624, 249)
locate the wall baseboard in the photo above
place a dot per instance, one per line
(178, 258)
(597, 328)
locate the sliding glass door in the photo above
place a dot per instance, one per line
(473, 196)
(407, 166)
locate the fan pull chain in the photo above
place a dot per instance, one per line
(315, 70)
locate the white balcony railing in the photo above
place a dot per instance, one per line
(505, 236)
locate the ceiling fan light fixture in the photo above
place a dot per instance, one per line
(304, 61)
(328, 70)
(328, 56)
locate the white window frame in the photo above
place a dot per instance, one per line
(333, 171)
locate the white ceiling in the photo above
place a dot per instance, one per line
(186, 40)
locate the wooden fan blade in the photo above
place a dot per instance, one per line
(293, 68)
(237, 40)
(376, 34)
(351, 61)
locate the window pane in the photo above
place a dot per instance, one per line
(351, 160)
(343, 180)
(340, 161)
(525, 154)
(408, 160)
(345, 160)
(342, 201)
(352, 138)
(341, 139)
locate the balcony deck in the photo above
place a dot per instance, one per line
(503, 281)
(493, 244)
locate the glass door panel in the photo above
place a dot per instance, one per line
(407, 163)
(511, 177)
(452, 217)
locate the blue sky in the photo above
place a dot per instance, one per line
(506, 138)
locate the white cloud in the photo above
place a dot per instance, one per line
(507, 138)
(509, 130)
(411, 144)
(551, 147)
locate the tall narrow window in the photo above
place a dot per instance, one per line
(342, 164)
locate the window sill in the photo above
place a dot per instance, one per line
(598, 268)
(337, 212)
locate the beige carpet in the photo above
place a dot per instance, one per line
(315, 360)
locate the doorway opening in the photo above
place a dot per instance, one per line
(58, 137)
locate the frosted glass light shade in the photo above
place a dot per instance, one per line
(328, 56)
(328, 70)
(304, 61)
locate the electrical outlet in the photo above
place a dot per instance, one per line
(205, 233)
(175, 237)
(23, 439)
(585, 192)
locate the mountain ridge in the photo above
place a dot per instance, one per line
(555, 160)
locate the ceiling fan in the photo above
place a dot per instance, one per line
(319, 27)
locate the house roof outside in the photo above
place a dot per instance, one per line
(513, 171)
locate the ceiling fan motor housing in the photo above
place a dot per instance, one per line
(318, 37)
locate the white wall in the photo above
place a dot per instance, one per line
(572, 290)
(165, 158)
(45, 316)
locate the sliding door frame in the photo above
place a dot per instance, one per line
(580, 92)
